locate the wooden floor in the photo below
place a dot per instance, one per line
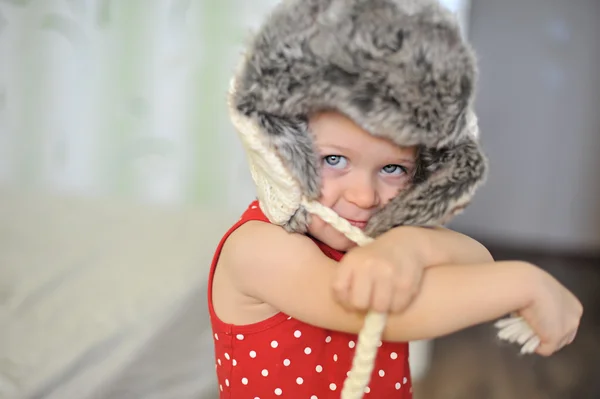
(472, 364)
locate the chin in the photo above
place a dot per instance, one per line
(328, 235)
(335, 239)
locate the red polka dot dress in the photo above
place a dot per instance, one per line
(282, 357)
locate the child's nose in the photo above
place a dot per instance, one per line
(363, 193)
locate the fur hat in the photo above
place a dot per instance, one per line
(400, 69)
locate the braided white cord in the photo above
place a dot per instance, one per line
(340, 224)
(370, 335)
(280, 198)
(515, 329)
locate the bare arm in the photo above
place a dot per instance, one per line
(461, 296)
(291, 274)
(436, 246)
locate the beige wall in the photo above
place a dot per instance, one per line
(539, 112)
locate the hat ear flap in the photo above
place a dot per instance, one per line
(441, 194)
(293, 143)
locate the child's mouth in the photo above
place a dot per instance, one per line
(359, 224)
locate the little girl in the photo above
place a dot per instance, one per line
(367, 104)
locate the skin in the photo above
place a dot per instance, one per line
(360, 174)
(431, 281)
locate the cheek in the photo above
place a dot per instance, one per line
(316, 225)
(329, 192)
(387, 192)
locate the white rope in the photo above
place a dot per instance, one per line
(370, 335)
(280, 198)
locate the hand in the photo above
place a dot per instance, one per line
(378, 276)
(554, 315)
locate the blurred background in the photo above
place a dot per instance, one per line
(119, 172)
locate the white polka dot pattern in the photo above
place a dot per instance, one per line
(284, 357)
(306, 354)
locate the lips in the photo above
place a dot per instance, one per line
(357, 223)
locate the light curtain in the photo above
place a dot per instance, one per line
(125, 98)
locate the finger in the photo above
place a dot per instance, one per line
(572, 337)
(342, 286)
(360, 291)
(567, 340)
(400, 300)
(545, 349)
(382, 296)
(526, 336)
(531, 346)
(562, 343)
(404, 288)
(343, 280)
(383, 289)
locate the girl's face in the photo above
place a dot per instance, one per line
(360, 173)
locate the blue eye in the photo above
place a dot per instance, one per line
(394, 169)
(336, 161)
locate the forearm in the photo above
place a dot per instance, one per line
(461, 296)
(436, 246)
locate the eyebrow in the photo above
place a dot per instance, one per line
(398, 159)
(337, 147)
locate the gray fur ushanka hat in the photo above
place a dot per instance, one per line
(398, 68)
